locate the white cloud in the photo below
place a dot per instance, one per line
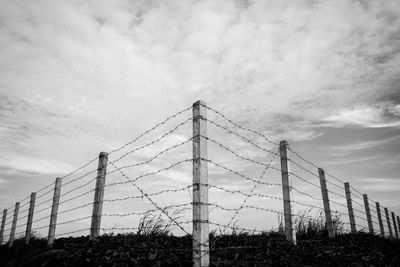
(37, 165)
(373, 116)
(84, 77)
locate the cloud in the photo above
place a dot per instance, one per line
(362, 145)
(378, 115)
(79, 77)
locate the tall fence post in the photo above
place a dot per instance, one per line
(287, 209)
(14, 225)
(378, 211)
(396, 231)
(350, 208)
(325, 199)
(368, 214)
(3, 223)
(30, 218)
(201, 253)
(98, 196)
(388, 222)
(54, 211)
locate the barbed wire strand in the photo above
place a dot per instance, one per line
(148, 198)
(238, 135)
(239, 126)
(154, 157)
(251, 191)
(150, 130)
(149, 173)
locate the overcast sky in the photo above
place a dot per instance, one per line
(80, 77)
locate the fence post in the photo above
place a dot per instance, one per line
(378, 211)
(54, 211)
(388, 222)
(201, 254)
(396, 231)
(14, 225)
(287, 210)
(3, 223)
(368, 213)
(30, 218)
(398, 223)
(325, 199)
(98, 196)
(350, 208)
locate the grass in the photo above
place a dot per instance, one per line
(154, 245)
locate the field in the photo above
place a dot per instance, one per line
(157, 249)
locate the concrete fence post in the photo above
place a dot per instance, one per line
(3, 223)
(30, 218)
(14, 225)
(287, 209)
(388, 222)
(98, 196)
(368, 214)
(54, 211)
(325, 199)
(378, 212)
(396, 230)
(350, 208)
(201, 253)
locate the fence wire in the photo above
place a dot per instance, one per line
(149, 187)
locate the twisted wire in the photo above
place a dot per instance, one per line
(154, 157)
(303, 179)
(80, 168)
(239, 135)
(41, 219)
(242, 157)
(74, 220)
(76, 208)
(242, 207)
(151, 194)
(360, 211)
(150, 130)
(141, 213)
(301, 157)
(78, 187)
(137, 228)
(338, 203)
(258, 195)
(46, 208)
(44, 188)
(148, 198)
(251, 191)
(240, 174)
(304, 193)
(236, 227)
(148, 174)
(39, 228)
(355, 190)
(78, 196)
(336, 194)
(80, 177)
(44, 194)
(337, 186)
(239, 126)
(304, 169)
(44, 201)
(358, 203)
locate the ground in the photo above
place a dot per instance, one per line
(165, 250)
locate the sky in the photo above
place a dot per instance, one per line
(81, 77)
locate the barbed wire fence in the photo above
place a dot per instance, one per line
(197, 173)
